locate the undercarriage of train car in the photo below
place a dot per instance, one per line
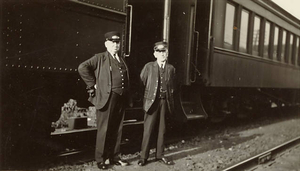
(216, 104)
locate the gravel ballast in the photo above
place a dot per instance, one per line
(229, 147)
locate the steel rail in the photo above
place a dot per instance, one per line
(253, 162)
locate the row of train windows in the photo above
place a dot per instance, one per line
(259, 37)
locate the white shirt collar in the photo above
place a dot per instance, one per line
(116, 56)
(161, 63)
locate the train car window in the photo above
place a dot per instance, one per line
(297, 54)
(290, 57)
(244, 31)
(275, 45)
(283, 45)
(267, 39)
(256, 33)
(229, 26)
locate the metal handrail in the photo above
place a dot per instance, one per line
(130, 31)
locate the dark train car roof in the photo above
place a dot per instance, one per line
(276, 7)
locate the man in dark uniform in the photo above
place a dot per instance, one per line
(106, 77)
(158, 79)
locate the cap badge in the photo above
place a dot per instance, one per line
(115, 37)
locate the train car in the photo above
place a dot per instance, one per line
(42, 44)
(255, 54)
(234, 56)
(231, 57)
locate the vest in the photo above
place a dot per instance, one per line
(162, 83)
(119, 76)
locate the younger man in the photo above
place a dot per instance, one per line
(158, 78)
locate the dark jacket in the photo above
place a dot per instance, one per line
(96, 70)
(149, 76)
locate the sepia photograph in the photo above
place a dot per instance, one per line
(150, 85)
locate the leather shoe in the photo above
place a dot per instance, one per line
(102, 166)
(119, 162)
(166, 161)
(142, 162)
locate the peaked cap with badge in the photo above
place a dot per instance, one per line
(113, 36)
(160, 46)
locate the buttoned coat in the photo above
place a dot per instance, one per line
(97, 71)
(150, 77)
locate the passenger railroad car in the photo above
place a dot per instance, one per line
(231, 57)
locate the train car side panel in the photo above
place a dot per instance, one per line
(232, 70)
(232, 66)
(44, 43)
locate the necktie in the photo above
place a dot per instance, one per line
(162, 68)
(116, 57)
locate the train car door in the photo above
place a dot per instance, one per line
(189, 44)
(190, 37)
(182, 37)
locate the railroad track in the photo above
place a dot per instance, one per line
(78, 155)
(263, 158)
(249, 164)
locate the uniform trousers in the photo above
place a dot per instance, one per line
(156, 118)
(109, 129)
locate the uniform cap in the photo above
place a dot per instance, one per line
(112, 36)
(160, 46)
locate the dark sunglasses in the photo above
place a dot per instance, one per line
(158, 50)
(114, 41)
